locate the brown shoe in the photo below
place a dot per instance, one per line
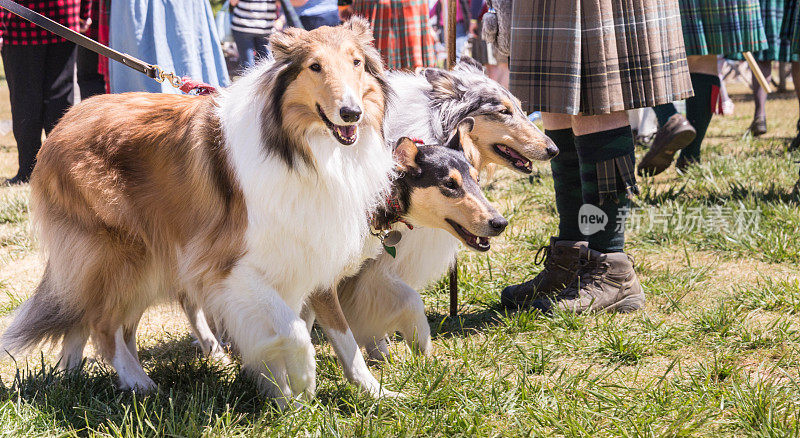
(675, 135)
(560, 268)
(758, 127)
(606, 282)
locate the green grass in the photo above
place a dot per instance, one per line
(715, 352)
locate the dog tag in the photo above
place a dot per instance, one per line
(391, 250)
(392, 238)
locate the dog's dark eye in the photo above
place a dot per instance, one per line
(505, 112)
(356, 62)
(451, 184)
(315, 67)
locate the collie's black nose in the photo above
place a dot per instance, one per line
(498, 224)
(551, 148)
(350, 114)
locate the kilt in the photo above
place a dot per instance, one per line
(402, 32)
(597, 56)
(772, 15)
(790, 31)
(722, 27)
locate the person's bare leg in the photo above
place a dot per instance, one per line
(553, 121)
(582, 125)
(759, 93)
(796, 79)
(705, 64)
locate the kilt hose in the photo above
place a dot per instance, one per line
(597, 56)
(722, 27)
(403, 34)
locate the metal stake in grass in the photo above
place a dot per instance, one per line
(451, 62)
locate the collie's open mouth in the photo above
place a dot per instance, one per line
(471, 240)
(345, 134)
(516, 159)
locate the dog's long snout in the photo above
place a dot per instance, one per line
(498, 224)
(551, 148)
(350, 114)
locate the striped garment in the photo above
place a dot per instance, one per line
(254, 16)
(597, 56)
(722, 27)
(402, 32)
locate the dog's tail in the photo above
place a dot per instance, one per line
(45, 317)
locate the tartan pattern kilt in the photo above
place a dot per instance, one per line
(778, 49)
(722, 27)
(403, 34)
(790, 31)
(597, 56)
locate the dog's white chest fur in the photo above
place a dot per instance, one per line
(423, 255)
(305, 226)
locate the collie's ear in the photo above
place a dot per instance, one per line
(468, 64)
(361, 28)
(461, 141)
(405, 155)
(460, 134)
(445, 85)
(283, 43)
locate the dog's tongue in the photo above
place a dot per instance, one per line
(347, 131)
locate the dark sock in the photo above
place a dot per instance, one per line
(567, 183)
(664, 112)
(606, 162)
(699, 110)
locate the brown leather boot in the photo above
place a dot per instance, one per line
(675, 135)
(606, 282)
(560, 267)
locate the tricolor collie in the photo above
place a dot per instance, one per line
(241, 203)
(382, 297)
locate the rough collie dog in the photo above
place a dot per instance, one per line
(382, 298)
(435, 187)
(243, 203)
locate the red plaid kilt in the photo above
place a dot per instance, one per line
(402, 32)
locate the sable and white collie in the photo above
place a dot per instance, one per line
(242, 203)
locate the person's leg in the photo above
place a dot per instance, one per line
(759, 125)
(461, 38)
(605, 150)
(24, 68)
(605, 278)
(664, 112)
(59, 88)
(566, 174)
(244, 44)
(561, 257)
(699, 108)
(90, 82)
(796, 79)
